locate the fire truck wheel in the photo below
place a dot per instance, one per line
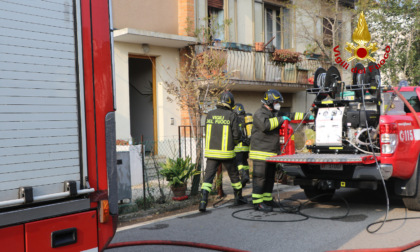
(412, 203)
(318, 195)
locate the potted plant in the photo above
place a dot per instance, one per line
(217, 43)
(122, 142)
(259, 46)
(282, 56)
(310, 52)
(211, 63)
(177, 172)
(244, 47)
(231, 45)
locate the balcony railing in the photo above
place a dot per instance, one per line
(257, 66)
(249, 65)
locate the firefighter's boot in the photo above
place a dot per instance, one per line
(272, 203)
(204, 199)
(263, 207)
(245, 177)
(239, 200)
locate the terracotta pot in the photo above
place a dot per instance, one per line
(259, 46)
(179, 191)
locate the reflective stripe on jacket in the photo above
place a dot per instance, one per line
(242, 147)
(222, 132)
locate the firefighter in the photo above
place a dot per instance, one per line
(222, 133)
(242, 149)
(265, 143)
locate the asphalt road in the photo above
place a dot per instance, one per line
(332, 225)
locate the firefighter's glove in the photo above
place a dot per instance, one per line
(244, 140)
(285, 118)
(311, 118)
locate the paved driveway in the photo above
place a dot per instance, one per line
(243, 228)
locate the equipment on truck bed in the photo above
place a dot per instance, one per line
(365, 134)
(342, 123)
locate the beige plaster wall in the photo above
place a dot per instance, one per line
(167, 61)
(245, 21)
(151, 15)
(252, 100)
(302, 101)
(303, 22)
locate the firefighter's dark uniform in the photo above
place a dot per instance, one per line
(264, 143)
(222, 132)
(242, 152)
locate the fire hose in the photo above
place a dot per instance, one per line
(174, 243)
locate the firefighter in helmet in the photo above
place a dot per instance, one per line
(265, 143)
(222, 133)
(242, 148)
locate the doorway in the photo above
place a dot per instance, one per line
(142, 100)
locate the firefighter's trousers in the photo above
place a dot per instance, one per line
(263, 181)
(242, 160)
(211, 169)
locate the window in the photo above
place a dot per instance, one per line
(215, 4)
(278, 25)
(328, 31)
(216, 18)
(413, 99)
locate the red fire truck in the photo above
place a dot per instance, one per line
(366, 135)
(58, 188)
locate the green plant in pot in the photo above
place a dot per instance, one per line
(310, 52)
(177, 172)
(282, 56)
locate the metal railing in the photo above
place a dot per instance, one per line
(251, 65)
(187, 140)
(257, 66)
(191, 144)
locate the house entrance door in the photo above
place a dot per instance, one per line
(142, 101)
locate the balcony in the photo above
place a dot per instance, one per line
(254, 71)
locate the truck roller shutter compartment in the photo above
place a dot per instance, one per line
(42, 127)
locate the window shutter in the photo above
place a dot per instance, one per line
(216, 4)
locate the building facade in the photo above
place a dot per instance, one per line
(149, 36)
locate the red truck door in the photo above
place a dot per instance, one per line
(70, 233)
(15, 239)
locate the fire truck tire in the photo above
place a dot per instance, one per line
(412, 203)
(315, 194)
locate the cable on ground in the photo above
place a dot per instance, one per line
(284, 208)
(327, 218)
(377, 166)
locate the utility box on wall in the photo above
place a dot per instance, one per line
(136, 164)
(124, 175)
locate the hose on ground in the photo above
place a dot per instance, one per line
(173, 243)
